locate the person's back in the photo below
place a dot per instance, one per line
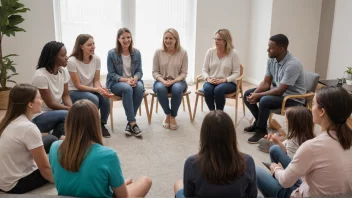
(99, 170)
(197, 186)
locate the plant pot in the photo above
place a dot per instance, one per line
(349, 82)
(4, 99)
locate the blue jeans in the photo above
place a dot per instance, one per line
(267, 184)
(102, 103)
(179, 194)
(266, 103)
(52, 120)
(176, 90)
(217, 93)
(131, 97)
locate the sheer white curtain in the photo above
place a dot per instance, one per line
(153, 17)
(146, 19)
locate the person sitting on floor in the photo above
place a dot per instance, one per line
(83, 166)
(284, 76)
(219, 169)
(24, 166)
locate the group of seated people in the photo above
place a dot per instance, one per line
(64, 104)
(81, 166)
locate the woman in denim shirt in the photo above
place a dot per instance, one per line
(125, 77)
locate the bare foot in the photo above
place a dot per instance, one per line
(173, 123)
(166, 122)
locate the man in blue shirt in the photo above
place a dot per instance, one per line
(284, 76)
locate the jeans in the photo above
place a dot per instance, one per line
(52, 120)
(176, 90)
(47, 141)
(131, 97)
(267, 184)
(100, 101)
(217, 93)
(179, 194)
(266, 103)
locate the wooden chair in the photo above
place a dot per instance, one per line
(234, 95)
(118, 98)
(311, 82)
(185, 94)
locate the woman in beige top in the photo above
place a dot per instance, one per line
(325, 162)
(220, 70)
(170, 67)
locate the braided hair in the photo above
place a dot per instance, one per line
(48, 56)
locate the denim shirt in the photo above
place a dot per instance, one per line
(115, 67)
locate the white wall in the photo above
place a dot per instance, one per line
(341, 41)
(39, 26)
(299, 20)
(260, 20)
(213, 15)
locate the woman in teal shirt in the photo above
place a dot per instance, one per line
(83, 167)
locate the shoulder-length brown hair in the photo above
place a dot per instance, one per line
(219, 157)
(226, 35)
(337, 103)
(77, 50)
(82, 129)
(176, 36)
(300, 124)
(118, 44)
(19, 97)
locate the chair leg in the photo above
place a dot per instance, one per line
(111, 114)
(183, 104)
(201, 104)
(156, 105)
(189, 108)
(270, 118)
(195, 107)
(236, 111)
(243, 105)
(147, 108)
(140, 110)
(151, 108)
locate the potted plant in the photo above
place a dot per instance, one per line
(9, 19)
(348, 75)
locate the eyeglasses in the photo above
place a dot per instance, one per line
(218, 39)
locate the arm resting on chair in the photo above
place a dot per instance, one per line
(307, 96)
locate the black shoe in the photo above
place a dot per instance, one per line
(251, 129)
(259, 134)
(105, 131)
(136, 131)
(128, 130)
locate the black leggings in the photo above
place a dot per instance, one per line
(28, 183)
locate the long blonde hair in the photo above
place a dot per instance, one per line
(82, 128)
(226, 35)
(176, 36)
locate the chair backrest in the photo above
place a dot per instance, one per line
(311, 80)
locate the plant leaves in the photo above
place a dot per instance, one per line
(12, 81)
(15, 19)
(9, 76)
(9, 55)
(13, 69)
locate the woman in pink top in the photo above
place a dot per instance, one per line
(325, 162)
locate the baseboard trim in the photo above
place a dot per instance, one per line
(251, 80)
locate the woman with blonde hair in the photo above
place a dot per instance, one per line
(170, 67)
(125, 77)
(24, 165)
(220, 69)
(83, 167)
(84, 68)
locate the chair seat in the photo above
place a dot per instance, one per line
(169, 94)
(201, 93)
(118, 98)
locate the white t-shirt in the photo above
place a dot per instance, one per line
(291, 147)
(85, 72)
(42, 79)
(16, 162)
(126, 60)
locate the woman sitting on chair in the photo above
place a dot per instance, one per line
(84, 67)
(170, 67)
(125, 77)
(220, 70)
(219, 169)
(83, 167)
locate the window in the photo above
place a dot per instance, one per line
(147, 21)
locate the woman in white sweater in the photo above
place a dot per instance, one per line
(24, 165)
(220, 70)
